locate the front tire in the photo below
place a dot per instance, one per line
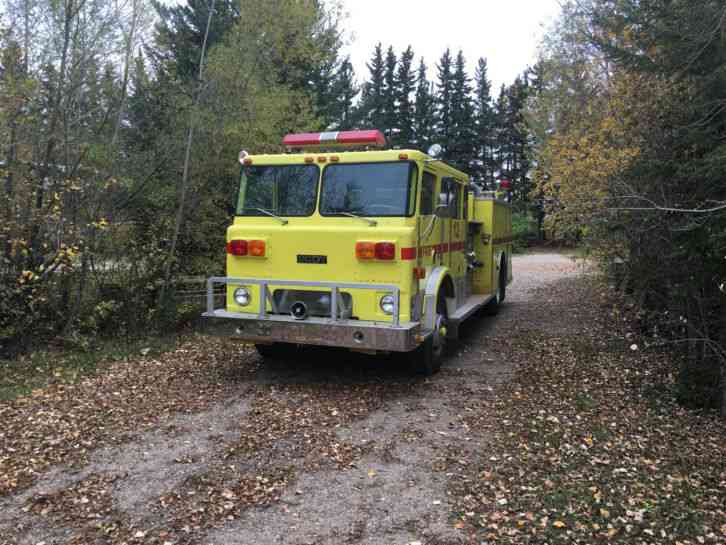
(426, 359)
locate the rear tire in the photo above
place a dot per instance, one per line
(426, 359)
(276, 351)
(492, 307)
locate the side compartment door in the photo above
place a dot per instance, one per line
(456, 236)
(457, 246)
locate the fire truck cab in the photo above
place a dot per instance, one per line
(374, 250)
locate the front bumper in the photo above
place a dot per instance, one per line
(354, 334)
(265, 327)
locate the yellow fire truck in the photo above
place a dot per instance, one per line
(342, 243)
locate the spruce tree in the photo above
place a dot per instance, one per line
(406, 88)
(371, 108)
(513, 137)
(180, 33)
(343, 93)
(502, 135)
(424, 119)
(463, 127)
(390, 92)
(444, 96)
(519, 140)
(485, 124)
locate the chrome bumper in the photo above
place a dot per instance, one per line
(264, 327)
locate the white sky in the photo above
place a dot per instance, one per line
(505, 32)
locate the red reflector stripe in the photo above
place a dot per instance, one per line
(442, 248)
(408, 253)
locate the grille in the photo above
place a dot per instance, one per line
(318, 302)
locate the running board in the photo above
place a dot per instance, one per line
(470, 306)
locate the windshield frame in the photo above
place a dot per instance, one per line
(414, 174)
(258, 214)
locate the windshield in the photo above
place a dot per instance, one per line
(286, 190)
(370, 189)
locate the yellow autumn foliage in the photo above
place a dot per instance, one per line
(581, 168)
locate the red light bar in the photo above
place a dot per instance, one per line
(342, 138)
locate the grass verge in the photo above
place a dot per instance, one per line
(47, 366)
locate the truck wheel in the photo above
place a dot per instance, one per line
(426, 359)
(276, 351)
(503, 279)
(492, 307)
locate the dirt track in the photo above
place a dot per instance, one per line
(331, 449)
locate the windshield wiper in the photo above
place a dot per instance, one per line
(369, 221)
(278, 218)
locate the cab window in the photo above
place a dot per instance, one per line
(369, 189)
(451, 195)
(285, 190)
(428, 190)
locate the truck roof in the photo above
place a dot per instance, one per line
(374, 156)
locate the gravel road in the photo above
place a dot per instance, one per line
(333, 449)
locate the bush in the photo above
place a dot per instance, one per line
(524, 230)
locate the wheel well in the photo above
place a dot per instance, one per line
(447, 287)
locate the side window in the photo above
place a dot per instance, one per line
(451, 192)
(455, 204)
(428, 190)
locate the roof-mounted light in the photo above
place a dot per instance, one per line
(373, 138)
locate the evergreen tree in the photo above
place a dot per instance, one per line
(390, 91)
(321, 84)
(502, 135)
(372, 107)
(485, 124)
(513, 136)
(406, 88)
(424, 119)
(180, 33)
(520, 139)
(463, 128)
(344, 91)
(444, 97)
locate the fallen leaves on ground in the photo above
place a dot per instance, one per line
(65, 422)
(588, 444)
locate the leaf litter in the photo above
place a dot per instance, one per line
(583, 445)
(589, 444)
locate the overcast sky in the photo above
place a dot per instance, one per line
(505, 32)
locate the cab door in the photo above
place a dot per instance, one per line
(430, 225)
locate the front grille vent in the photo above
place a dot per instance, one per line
(317, 302)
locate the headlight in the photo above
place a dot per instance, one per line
(387, 304)
(242, 297)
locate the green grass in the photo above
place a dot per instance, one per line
(41, 368)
